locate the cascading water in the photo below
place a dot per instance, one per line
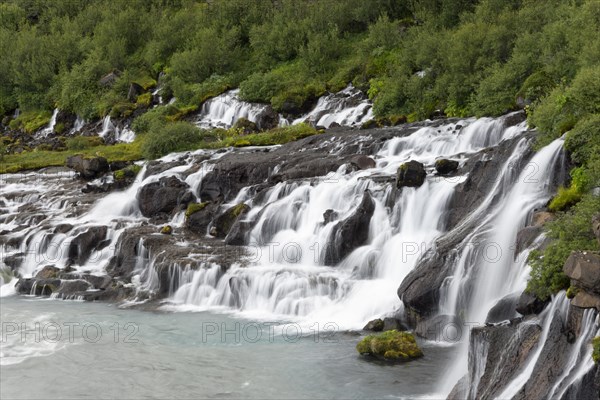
(348, 107)
(109, 130)
(49, 129)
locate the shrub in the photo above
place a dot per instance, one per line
(391, 345)
(176, 136)
(566, 198)
(596, 351)
(84, 142)
(31, 121)
(584, 140)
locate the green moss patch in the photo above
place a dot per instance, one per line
(194, 208)
(391, 345)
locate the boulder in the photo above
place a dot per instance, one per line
(62, 228)
(529, 304)
(37, 287)
(350, 233)
(444, 166)
(48, 272)
(224, 222)
(161, 197)
(586, 300)
(391, 346)
(156, 167)
(503, 310)
(88, 167)
(245, 126)
(526, 237)
(583, 268)
(541, 217)
(199, 216)
(110, 78)
(239, 232)
(166, 230)
(411, 174)
(134, 91)
(442, 327)
(375, 325)
(69, 288)
(14, 261)
(267, 119)
(596, 226)
(82, 245)
(390, 324)
(329, 216)
(361, 162)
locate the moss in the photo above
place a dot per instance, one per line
(572, 292)
(144, 100)
(596, 351)
(59, 128)
(390, 345)
(242, 143)
(146, 82)
(565, 199)
(166, 230)
(122, 110)
(130, 171)
(31, 121)
(194, 208)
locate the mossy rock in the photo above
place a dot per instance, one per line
(391, 345)
(144, 100)
(128, 172)
(370, 124)
(223, 223)
(122, 110)
(245, 126)
(596, 346)
(194, 208)
(572, 292)
(166, 230)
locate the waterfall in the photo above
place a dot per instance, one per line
(49, 129)
(109, 130)
(79, 123)
(348, 107)
(224, 110)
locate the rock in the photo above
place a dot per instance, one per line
(161, 197)
(390, 324)
(267, 119)
(411, 174)
(526, 237)
(529, 304)
(118, 165)
(375, 325)
(110, 78)
(444, 166)
(541, 217)
(199, 216)
(14, 260)
(134, 91)
(596, 226)
(65, 121)
(370, 124)
(166, 230)
(88, 167)
(329, 216)
(390, 345)
(82, 245)
(70, 288)
(586, 300)
(350, 233)
(224, 222)
(441, 327)
(156, 167)
(63, 228)
(361, 162)
(239, 232)
(503, 310)
(48, 272)
(37, 287)
(333, 125)
(245, 126)
(583, 268)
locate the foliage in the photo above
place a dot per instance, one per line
(84, 142)
(572, 230)
(176, 136)
(596, 347)
(391, 345)
(31, 121)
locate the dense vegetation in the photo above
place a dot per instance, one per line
(413, 57)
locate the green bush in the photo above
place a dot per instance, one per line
(84, 142)
(31, 121)
(584, 140)
(571, 231)
(596, 351)
(176, 136)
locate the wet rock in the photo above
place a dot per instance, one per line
(503, 310)
(88, 167)
(540, 218)
(440, 328)
(134, 91)
(375, 325)
(224, 222)
(63, 228)
(70, 288)
(166, 230)
(411, 174)
(82, 245)
(37, 287)
(586, 300)
(329, 216)
(583, 268)
(361, 162)
(444, 166)
(118, 165)
(48, 272)
(350, 233)
(14, 261)
(238, 233)
(529, 304)
(526, 237)
(161, 197)
(199, 216)
(267, 119)
(390, 324)
(157, 167)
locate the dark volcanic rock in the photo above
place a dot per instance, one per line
(440, 328)
(529, 304)
(350, 233)
(503, 310)
(161, 197)
(526, 237)
(199, 221)
(70, 288)
(411, 174)
(444, 166)
(88, 167)
(224, 222)
(583, 268)
(375, 325)
(48, 272)
(82, 245)
(360, 162)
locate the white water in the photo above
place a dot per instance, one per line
(125, 135)
(49, 129)
(348, 107)
(224, 110)
(79, 123)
